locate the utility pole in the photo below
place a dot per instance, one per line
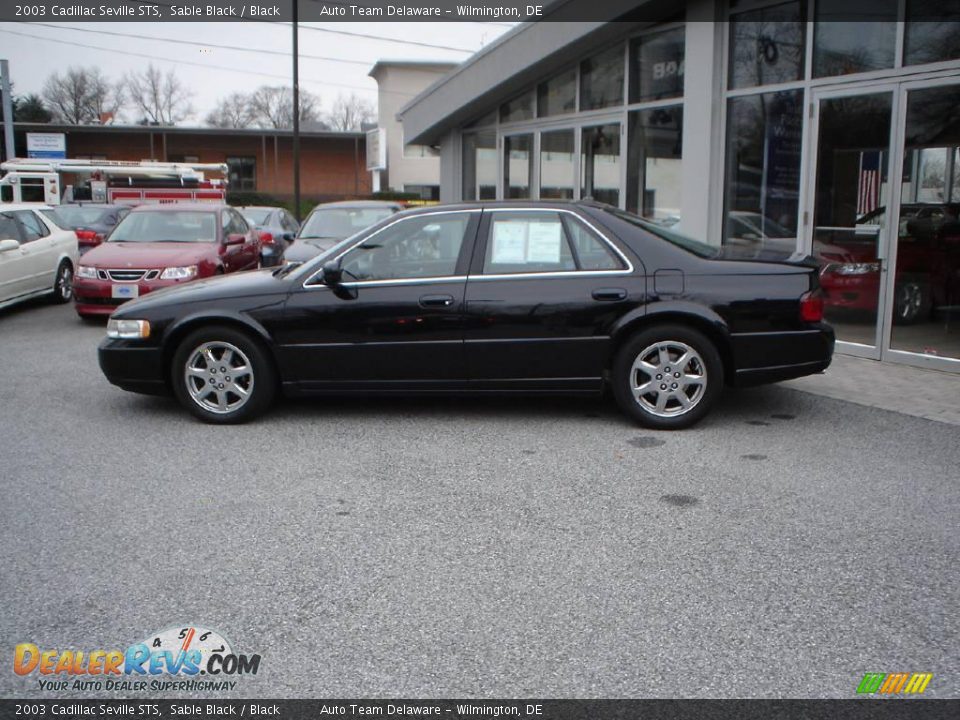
(7, 109)
(296, 114)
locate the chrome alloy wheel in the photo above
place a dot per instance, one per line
(668, 379)
(219, 377)
(65, 284)
(909, 301)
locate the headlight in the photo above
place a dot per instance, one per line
(128, 329)
(179, 273)
(85, 271)
(854, 268)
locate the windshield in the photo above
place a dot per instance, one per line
(157, 226)
(672, 236)
(74, 217)
(256, 216)
(342, 222)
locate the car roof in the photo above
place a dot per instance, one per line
(360, 204)
(257, 207)
(5, 207)
(175, 207)
(96, 206)
(509, 204)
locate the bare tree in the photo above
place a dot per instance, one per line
(232, 111)
(160, 97)
(272, 107)
(350, 112)
(81, 95)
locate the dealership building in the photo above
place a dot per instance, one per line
(758, 125)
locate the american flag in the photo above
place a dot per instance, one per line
(868, 185)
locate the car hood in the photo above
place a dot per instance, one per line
(149, 255)
(304, 249)
(259, 283)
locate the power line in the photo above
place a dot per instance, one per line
(195, 64)
(365, 63)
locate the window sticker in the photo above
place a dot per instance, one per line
(509, 242)
(543, 242)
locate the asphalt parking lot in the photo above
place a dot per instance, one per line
(496, 547)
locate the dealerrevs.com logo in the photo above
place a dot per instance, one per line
(894, 683)
(185, 652)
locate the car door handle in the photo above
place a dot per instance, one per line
(436, 300)
(609, 294)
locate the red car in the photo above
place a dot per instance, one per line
(927, 272)
(156, 246)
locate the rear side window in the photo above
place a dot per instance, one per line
(533, 242)
(8, 228)
(33, 227)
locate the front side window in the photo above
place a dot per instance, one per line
(8, 228)
(425, 246)
(534, 242)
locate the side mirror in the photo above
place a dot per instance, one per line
(332, 273)
(288, 236)
(235, 239)
(8, 245)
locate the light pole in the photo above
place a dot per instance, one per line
(296, 114)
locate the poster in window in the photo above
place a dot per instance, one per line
(543, 242)
(509, 242)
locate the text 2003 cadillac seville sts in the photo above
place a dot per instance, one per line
(483, 297)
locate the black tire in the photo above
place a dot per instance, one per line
(911, 301)
(259, 380)
(704, 363)
(63, 283)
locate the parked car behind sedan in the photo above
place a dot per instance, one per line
(37, 257)
(157, 246)
(277, 229)
(329, 223)
(477, 298)
(92, 222)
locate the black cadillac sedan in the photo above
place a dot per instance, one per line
(506, 297)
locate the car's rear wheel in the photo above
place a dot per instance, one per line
(911, 302)
(667, 377)
(63, 283)
(223, 376)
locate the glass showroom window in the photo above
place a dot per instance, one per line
(517, 166)
(480, 165)
(656, 65)
(557, 96)
(654, 156)
(932, 32)
(764, 135)
(600, 163)
(520, 108)
(767, 45)
(601, 80)
(557, 174)
(841, 47)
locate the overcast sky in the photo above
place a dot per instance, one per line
(213, 72)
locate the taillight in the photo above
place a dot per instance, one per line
(89, 236)
(266, 238)
(811, 306)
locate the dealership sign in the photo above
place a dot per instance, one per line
(46, 145)
(377, 149)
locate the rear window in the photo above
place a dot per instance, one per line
(700, 249)
(77, 217)
(256, 216)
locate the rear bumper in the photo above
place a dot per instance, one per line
(771, 357)
(133, 367)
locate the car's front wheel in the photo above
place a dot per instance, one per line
(667, 377)
(223, 376)
(63, 283)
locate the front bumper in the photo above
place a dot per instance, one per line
(768, 357)
(95, 297)
(130, 365)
